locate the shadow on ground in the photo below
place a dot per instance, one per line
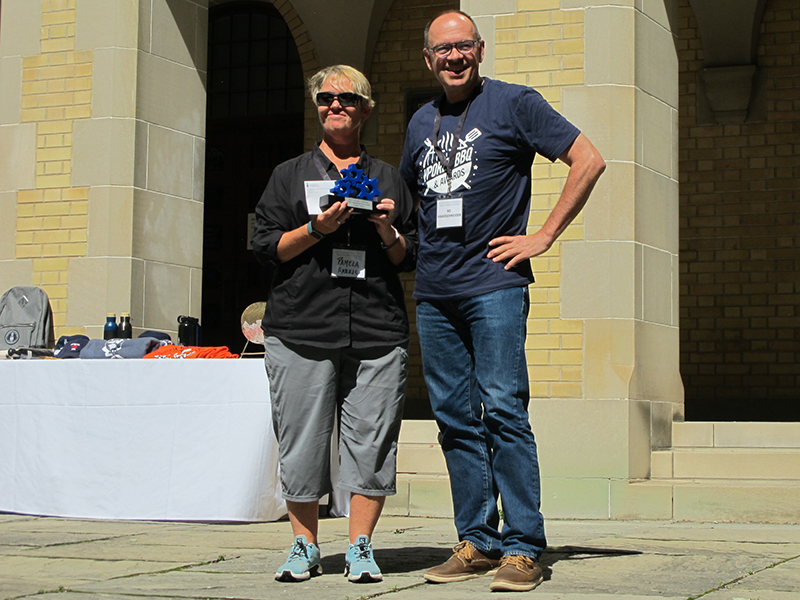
(409, 560)
(554, 554)
(395, 560)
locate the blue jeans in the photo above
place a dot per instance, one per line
(473, 355)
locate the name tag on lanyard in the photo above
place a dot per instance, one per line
(449, 212)
(449, 208)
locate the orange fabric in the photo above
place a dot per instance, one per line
(172, 351)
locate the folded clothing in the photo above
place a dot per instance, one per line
(120, 348)
(172, 351)
(70, 346)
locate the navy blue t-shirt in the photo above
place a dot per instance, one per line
(506, 125)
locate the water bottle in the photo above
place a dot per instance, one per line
(188, 331)
(125, 329)
(110, 328)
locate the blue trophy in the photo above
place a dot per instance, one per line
(361, 192)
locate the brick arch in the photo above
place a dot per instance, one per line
(305, 48)
(308, 59)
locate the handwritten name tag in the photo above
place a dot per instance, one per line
(349, 263)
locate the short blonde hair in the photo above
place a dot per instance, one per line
(354, 77)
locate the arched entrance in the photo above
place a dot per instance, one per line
(254, 122)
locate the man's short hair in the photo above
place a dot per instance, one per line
(451, 11)
(356, 78)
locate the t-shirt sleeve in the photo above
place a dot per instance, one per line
(541, 127)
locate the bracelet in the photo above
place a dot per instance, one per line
(313, 232)
(394, 243)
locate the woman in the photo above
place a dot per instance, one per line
(335, 327)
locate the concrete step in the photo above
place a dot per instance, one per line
(730, 451)
(703, 434)
(418, 450)
(726, 463)
(720, 500)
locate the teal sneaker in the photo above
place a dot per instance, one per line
(303, 562)
(360, 566)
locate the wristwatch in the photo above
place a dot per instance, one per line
(313, 232)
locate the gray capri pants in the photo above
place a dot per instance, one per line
(309, 386)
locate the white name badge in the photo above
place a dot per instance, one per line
(315, 190)
(449, 212)
(349, 263)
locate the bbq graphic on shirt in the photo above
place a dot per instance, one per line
(433, 171)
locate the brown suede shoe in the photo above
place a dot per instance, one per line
(467, 562)
(517, 574)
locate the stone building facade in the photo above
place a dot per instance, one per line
(136, 135)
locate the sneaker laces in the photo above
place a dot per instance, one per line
(363, 551)
(299, 549)
(517, 560)
(463, 550)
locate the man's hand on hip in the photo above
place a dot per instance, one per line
(516, 248)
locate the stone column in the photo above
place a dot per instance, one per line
(622, 278)
(141, 155)
(102, 124)
(603, 348)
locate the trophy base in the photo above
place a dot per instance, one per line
(359, 205)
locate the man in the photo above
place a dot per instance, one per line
(468, 156)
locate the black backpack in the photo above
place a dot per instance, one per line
(26, 319)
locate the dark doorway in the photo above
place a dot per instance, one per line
(254, 122)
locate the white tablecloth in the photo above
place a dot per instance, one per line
(138, 439)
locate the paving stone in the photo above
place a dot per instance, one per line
(133, 549)
(587, 560)
(38, 539)
(32, 568)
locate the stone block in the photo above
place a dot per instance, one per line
(11, 83)
(605, 114)
(15, 272)
(167, 292)
(610, 34)
(8, 226)
(104, 24)
(170, 162)
(640, 501)
(96, 286)
(430, 498)
(737, 503)
(20, 28)
(165, 229)
(692, 435)
(171, 95)
(565, 498)
(579, 439)
(114, 83)
(110, 221)
(103, 152)
(661, 464)
(18, 158)
(597, 280)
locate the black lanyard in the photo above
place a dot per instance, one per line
(321, 167)
(448, 162)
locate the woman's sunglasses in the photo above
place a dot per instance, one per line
(346, 99)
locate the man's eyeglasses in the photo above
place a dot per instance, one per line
(346, 99)
(464, 47)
